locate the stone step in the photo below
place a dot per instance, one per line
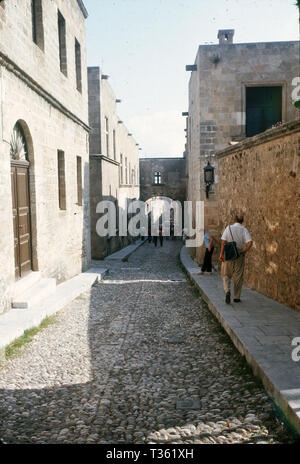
(14, 322)
(35, 294)
(71, 289)
(25, 283)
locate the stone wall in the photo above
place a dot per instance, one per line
(105, 160)
(260, 176)
(53, 115)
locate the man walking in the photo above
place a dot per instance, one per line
(161, 238)
(234, 269)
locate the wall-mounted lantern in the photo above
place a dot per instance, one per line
(118, 100)
(104, 76)
(185, 113)
(120, 122)
(209, 177)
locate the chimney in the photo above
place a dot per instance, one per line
(225, 36)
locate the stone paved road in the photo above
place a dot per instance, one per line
(138, 359)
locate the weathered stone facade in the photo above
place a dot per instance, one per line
(217, 114)
(172, 178)
(260, 176)
(114, 167)
(39, 84)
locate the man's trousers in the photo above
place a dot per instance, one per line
(207, 266)
(233, 270)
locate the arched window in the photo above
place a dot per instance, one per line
(18, 146)
(157, 177)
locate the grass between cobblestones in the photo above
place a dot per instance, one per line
(14, 349)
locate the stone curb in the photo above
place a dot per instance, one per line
(14, 323)
(124, 253)
(282, 387)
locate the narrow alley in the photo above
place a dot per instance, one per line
(138, 359)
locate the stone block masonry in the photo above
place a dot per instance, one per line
(52, 111)
(221, 111)
(260, 176)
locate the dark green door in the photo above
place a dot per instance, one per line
(263, 108)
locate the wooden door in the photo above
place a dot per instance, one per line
(21, 217)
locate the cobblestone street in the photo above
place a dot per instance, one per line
(138, 359)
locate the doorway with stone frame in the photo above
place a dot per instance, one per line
(21, 210)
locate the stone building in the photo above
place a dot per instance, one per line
(163, 177)
(114, 165)
(235, 91)
(44, 176)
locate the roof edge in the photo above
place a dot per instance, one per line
(83, 8)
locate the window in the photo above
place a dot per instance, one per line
(78, 65)
(107, 136)
(121, 169)
(157, 178)
(79, 181)
(129, 172)
(61, 179)
(62, 43)
(126, 173)
(263, 108)
(133, 177)
(37, 23)
(114, 144)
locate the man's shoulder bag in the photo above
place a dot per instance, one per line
(230, 250)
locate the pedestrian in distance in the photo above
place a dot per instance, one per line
(209, 249)
(233, 269)
(161, 238)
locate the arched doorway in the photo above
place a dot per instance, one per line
(20, 201)
(165, 213)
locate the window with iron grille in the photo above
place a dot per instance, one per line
(157, 178)
(107, 136)
(114, 144)
(62, 43)
(121, 169)
(78, 65)
(37, 23)
(79, 181)
(61, 180)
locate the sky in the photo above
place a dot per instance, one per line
(144, 46)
